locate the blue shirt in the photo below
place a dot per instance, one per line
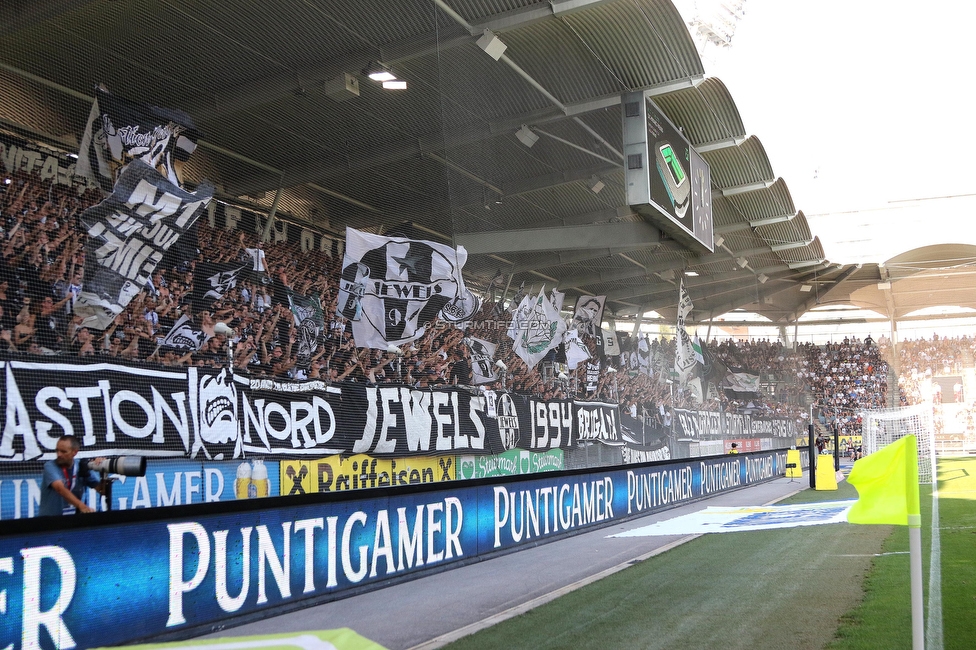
(52, 503)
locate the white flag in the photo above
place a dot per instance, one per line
(482, 357)
(557, 298)
(684, 354)
(391, 287)
(644, 356)
(540, 331)
(576, 350)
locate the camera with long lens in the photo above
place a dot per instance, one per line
(122, 465)
(119, 466)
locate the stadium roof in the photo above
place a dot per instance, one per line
(265, 82)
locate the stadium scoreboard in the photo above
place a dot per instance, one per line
(667, 181)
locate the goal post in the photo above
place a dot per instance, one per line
(881, 427)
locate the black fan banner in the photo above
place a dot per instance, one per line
(213, 414)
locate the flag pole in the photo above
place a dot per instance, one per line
(914, 543)
(915, 560)
(887, 485)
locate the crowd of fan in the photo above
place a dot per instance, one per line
(920, 361)
(42, 274)
(844, 378)
(924, 358)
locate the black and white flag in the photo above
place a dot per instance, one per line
(211, 282)
(393, 287)
(184, 335)
(517, 298)
(557, 298)
(128, 234)
(536, 328)
(307, 314)
(684, 354)
(120, 130)
(576, 350)
(644, 365)
(482, 360)
(588, 315)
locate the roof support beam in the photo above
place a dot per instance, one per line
(551, 260)
(715, 145)
(732, 227)
(566, 238)
(746, 187)
(656, 292)
(805, 264)
(21, 15)
(555, 179)
(776, 248)
(677, 265)
(572, 109)
(820, 296)
(768, 221)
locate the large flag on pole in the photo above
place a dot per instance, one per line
(588, 315)
(576, 350)
(696, 346)
(887, 485)
(536, 329)
(684, 354)
(128, 234)
(212, 281)
(393, 287)
(644, 355)
(120, 130)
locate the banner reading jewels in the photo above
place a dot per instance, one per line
(211, 414)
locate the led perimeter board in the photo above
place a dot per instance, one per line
(667, 181)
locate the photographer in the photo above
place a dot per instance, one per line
(65, 480)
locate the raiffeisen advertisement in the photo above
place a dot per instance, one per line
(168, 571)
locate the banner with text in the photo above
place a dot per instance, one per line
(212, 414)
(705, 425)
(195, 571)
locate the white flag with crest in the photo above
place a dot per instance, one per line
(538, 329)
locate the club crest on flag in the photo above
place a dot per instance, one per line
(392, 287)
(482, 354)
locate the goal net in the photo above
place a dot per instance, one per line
(882, 427)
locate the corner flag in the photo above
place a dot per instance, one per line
(887, 486)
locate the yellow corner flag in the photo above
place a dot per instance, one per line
(887, 486)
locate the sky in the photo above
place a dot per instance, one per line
(865, 108)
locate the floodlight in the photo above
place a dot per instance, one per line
(526, 136)
(492, 45)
